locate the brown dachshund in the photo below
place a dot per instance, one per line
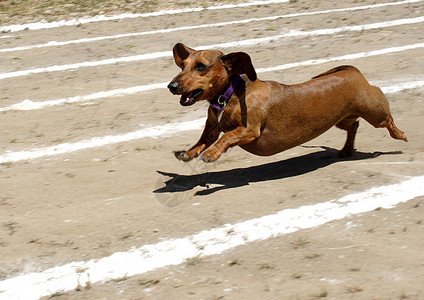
(266, 117)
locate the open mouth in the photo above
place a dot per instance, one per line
(190, 98)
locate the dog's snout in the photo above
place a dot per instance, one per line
(174, 86)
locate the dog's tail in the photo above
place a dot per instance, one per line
(336, 69)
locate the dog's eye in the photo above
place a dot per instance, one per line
(182, 66)
(200, 67)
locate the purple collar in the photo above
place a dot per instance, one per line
(222, 100)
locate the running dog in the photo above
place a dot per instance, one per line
(266, 117)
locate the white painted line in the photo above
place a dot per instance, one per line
(102, 18)
(207, 242)
(400, 87)
(343, 57)
(98, 63)
(242, 43)
(33, 105)
(149, 132)
(221, 24)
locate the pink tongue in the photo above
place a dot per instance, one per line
(190, 97)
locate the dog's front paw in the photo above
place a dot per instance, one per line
(182, 155)
(210, 156)
(206, 159)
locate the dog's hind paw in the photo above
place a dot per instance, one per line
(346, 152)
(182, 155)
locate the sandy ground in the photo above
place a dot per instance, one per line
(92, 203)
(22, 11)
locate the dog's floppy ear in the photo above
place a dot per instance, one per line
(239, 63)
(181, 52)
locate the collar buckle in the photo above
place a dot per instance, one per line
(222, 100)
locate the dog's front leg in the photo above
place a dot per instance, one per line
(239, 136)
(209, 136)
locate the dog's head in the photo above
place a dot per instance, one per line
(206, 73)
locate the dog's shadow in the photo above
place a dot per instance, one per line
(270, 171)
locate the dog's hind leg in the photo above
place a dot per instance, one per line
(395, 132)
(377, 113)
(350, 124)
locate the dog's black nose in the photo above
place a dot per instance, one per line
(173, 86)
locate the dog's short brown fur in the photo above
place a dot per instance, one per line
(266, 117)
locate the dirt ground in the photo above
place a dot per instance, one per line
(26, 11)
(91, 203)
